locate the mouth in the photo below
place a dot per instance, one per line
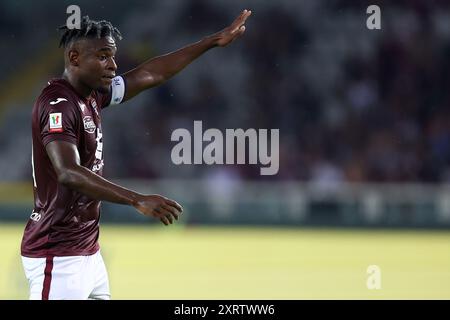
(108, 78)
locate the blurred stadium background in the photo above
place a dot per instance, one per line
(364, 119)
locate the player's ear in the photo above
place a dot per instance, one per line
(73, 57)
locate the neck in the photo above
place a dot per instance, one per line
(80, 88)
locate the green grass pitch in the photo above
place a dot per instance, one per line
(180, 262)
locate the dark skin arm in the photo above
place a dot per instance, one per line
(158, 70)
(66, 162)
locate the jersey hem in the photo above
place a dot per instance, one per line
(59, 253)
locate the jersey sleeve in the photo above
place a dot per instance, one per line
(115, 95)
(59, 119)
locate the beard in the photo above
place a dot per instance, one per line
(104, 89)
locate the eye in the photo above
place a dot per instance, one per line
(102, 57)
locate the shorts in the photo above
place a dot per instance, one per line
(67, 278)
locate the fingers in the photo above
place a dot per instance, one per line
(243, 17)
(240, 20)
(246, 13)
(172, 211)
(164, 220)
(174, 204)
(165, 215)
(239, 33)
(162, 208)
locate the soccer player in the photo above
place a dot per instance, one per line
(60, 250)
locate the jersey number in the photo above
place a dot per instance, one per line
(99, 151)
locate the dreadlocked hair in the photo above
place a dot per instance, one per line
(88, 29)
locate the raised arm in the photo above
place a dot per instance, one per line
(66, 162)
(157, 70)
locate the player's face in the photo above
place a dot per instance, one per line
(97, 63)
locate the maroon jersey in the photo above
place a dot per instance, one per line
(64, 222)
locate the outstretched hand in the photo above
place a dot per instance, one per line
(234, 31)
(159, 207)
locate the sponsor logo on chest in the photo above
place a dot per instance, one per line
(89, 124)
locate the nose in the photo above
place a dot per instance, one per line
(111, 64)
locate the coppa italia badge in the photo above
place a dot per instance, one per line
(89, 124)
(55, 122)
